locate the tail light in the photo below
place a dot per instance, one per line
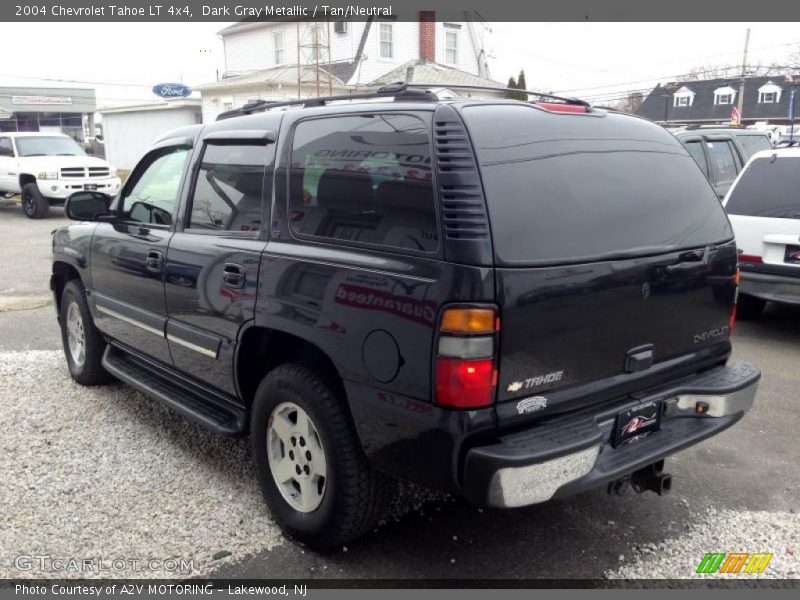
(466, 373)
(750, 258)
(732, 317)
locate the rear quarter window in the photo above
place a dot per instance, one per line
(364, 179)
(769, 187)
(566, 189)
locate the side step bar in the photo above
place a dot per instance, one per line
(207, 408)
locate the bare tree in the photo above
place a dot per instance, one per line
(631, 103)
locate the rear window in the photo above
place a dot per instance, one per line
(754, 143)
(768, 188)
(592, 189)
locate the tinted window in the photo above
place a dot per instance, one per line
(227, 192)
(572, 189)
(364, 179)
(696, 150)
(6, 149)
(723, 162)
(754, 143)
(152, 194)
(768, 189)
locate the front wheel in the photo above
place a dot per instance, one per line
(83, 344)
(34, 205)
(311, 468)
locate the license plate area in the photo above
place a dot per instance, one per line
(792, 255)
(637, 423)
(90, 187)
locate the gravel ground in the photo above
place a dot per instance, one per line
(720, 531)
(107, 473)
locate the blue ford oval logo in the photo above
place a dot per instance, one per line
(171, 90)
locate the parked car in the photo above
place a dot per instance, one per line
(764, 209)
(722, 152)
(508, 301)
(45, 168)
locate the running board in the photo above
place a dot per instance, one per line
(210, 409)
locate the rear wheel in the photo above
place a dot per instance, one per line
(34, 205)
(311, 468)
(749, 307)
(83, 344)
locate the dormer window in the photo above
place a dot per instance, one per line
(683, 97)
(769, 93)
(724, 96)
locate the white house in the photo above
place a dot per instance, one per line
(284, 60)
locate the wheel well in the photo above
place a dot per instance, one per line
(261, 350)
(62, 274)
(26, 178)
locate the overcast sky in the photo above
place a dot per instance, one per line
(599, 61)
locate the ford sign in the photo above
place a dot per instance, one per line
(171, 90)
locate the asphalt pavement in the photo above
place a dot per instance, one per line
(739, 488)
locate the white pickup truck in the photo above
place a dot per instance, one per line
(45, 168)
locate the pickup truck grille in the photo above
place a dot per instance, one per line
(85, 172)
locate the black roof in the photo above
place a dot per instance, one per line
(703, 108)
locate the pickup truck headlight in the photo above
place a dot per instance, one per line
(112, 172)
(48, 175)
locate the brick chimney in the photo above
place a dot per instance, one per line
(427, 36)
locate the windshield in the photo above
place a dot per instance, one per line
(48, 146)
(562, 191)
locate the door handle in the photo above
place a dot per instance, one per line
(153, 261)
(234, 276)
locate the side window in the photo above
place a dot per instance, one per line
(6, 149)
(228, 189)
(696, 150)
(724, 166)
(153, 194)
(364, 179)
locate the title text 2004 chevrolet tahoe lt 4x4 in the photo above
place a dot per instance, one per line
(511, 301)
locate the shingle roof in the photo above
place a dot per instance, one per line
(418, 71)
(703, 108)
(286, 75)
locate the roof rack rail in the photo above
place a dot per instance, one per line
(397, 90)
(466, 86)
(400, 91)
(694, 126)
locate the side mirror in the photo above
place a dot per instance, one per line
(87, 206)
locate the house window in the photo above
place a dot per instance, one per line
(682, 101)
(451, 47)
(387, 41)
(768, 97)
(722, 99)
(279, 44)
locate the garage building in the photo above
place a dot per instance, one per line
(129, 130)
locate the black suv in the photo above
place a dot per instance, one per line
(507, 300)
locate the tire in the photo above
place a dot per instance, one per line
(34, 205)
(350, 496)
(85, 366)
(749, 307)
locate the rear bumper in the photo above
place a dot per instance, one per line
(768, 286)
(573, 453)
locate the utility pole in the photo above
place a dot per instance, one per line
(740, 103)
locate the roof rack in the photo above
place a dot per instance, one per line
(400, 91)
(694, 126)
